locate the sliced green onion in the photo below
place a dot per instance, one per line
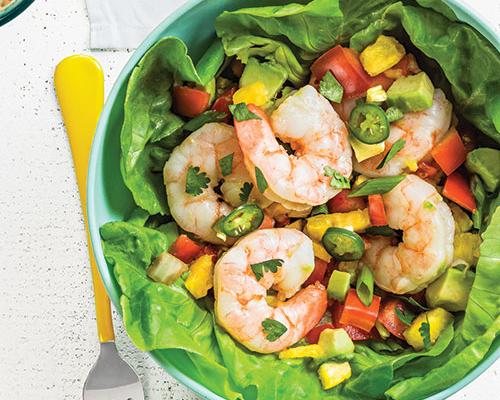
(395, 149)
(377, 186)
(365, 286)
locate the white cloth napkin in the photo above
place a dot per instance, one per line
(122, 24)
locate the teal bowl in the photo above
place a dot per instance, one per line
(13, 10)
(110, 200)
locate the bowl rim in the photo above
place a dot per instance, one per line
(13, 10)
(92, 206)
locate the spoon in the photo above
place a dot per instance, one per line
(79, 83)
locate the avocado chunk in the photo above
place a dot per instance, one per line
(335, 342)
(486, 163)
(411, 93)
(451, 290)
(271, 75)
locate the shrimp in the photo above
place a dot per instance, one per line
(240, 297)
(415, 207)
(420, 130)
(204, 149)
(306, 121)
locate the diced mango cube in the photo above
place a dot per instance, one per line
(332, 374)
(255, 93)
(200, 279)
(320, 252)
(363, 151)
(381, 55)
(311, 351)
(437, 318)
(356, 221)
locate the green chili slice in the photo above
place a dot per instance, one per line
(369, 123)
(343, 244)
(241, 221)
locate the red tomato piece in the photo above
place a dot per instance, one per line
(222, 103)
(313, 336)
(382, 80)
(355, 313)
(376, 210)
(185, 249)
(267, 222)
(318, 273)
(343, 203)
(189, 102)
(388, 317)
(450, 152)
(344, 64)
(354, 332)
(456, 188)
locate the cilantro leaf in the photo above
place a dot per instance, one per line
(413, 302)
(266, 266)
(338, 180)
(425, 332)
(395, 149)
(245, 191)
(330, 88)
(204, 118)
(196, 181)
(393, 114)
(405, 316)
(226, 164)
(273, 329)
(321, 209)
(261, 180)
(241, 112)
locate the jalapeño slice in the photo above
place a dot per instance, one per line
(241, 221)
(369, 123)
(343, 244)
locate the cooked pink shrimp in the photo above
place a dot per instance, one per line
(240, 296)
(307, 121)
(421, 131)
(415, 207)
(204, 149)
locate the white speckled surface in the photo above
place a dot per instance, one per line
(47, 329)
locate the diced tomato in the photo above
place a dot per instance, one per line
(376, 210)
(427, 170)
(449, 153)
(344, 64)
(185, 249)
(318, 273)
(313, 336)
(267, 222)
(388, 317)
(456, 188)
(189, 102)
(355, 313)
(343, 203)
(222, 103)
(354, 332)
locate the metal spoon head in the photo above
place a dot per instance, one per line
(111, 378)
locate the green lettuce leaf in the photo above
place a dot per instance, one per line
(150, 130)
(374, 372)
(157, 316)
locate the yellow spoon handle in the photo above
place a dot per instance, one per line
(79, 83)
